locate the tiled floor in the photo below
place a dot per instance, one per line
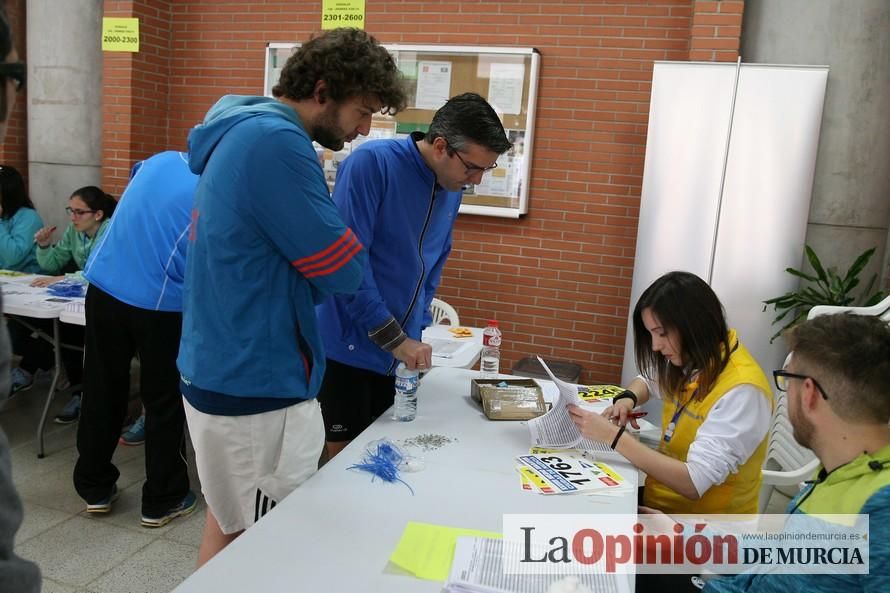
(89, 554)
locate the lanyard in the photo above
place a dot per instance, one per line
(672, 425)
(693, 385)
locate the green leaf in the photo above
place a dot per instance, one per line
(860, 264)
(814, 261)
(800, 274)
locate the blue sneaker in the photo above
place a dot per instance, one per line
(20, 380)
(104, 505)
(71, 412)
(135, 435)
(188, 504)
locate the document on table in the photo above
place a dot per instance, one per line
(478, 567)
(444, 348)
(556, 429)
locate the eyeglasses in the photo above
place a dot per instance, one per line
(77, 211)
(15, 71)
(781, 378)
(471, 168)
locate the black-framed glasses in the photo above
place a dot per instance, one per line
(77, 211)
(15, 71)
(781, 378)
(471, 168)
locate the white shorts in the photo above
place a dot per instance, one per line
(248, 464)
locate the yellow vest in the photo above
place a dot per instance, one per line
(739, 493)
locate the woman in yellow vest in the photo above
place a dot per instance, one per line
(717, 403)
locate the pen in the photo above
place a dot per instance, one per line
(632, 416)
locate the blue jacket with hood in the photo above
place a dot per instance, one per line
(140, 259)
(266, 244)
(390, 198)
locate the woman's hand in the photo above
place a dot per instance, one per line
(620, 412)
(592, 425)
(42, 237)
(46, 281)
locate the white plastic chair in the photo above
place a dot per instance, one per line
(442, 311)
(787, 463)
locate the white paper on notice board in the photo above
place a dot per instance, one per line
(433, 84)
(505, 87)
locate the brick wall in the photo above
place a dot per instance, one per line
(14, 148)
(136, 88)
(558, 280)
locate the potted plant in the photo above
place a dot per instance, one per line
(827, 287)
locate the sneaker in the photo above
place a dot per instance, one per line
(20, 380)
(135, 435)
(188, 504)
(71, 412)
(104, 505)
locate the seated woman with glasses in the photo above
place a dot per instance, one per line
(89, 209)
(717, 403)
(18, 223)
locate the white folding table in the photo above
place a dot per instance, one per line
(336, 532)
(21, 300)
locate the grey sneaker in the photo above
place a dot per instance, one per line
(20, 380)
(71, 412)
(188, 504)
(104, 505)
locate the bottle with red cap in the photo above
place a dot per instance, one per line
(491, 351)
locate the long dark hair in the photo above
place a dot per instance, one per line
(13, 194)
(96, 199)
(683, 302)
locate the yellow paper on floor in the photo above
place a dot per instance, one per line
(426, 550)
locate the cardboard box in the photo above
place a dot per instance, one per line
(509, 399)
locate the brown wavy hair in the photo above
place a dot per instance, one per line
(351, 63)
(683, 302)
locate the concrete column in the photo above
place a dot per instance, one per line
(850, 210)
(64, 102)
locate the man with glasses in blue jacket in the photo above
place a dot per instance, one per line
(401, 198)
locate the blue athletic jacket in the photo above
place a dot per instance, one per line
(140, 260)
(390, 198)
(266, 244)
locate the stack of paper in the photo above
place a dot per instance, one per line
(478, 567)
(444, 348)
(554, 471)
(556, 429)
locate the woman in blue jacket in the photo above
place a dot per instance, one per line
(18, 223)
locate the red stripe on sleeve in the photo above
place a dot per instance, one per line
(347, 235)
(337, 265)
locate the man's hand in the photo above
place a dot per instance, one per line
(415, 355)
(46, 281)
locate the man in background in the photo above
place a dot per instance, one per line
(267, 243)
(401, 198)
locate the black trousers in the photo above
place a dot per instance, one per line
(115, 332)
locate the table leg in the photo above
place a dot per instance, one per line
(57, 355)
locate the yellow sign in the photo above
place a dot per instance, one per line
(342, 13)
(120, 34)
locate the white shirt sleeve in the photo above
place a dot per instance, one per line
(652, 386)
(731, 432)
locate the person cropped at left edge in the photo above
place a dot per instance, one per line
(18, 223)
(401, 197)
(266, 244)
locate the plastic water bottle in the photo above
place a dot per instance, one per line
(405, 404)
(491, 351)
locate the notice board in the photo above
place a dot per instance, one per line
(507, 77)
